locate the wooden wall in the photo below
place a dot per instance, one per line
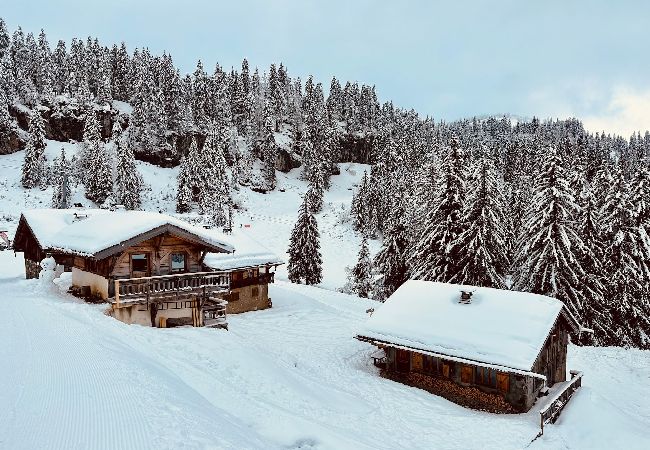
(552, 359)
(160, 250)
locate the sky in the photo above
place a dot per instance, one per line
(447, 60)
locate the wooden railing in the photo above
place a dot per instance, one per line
(262, 278)
(552, 410)
(169, 287)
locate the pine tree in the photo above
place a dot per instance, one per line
(304, 249)
(482, 244)
(62, 175)
(188, 179)
(360, 275)
(215, 185)
(548, 260)
(595, 310)
(625, 287)
(314, 196)
(269, 152)
(97, 167)
(434, 256)
(33, 172)
(128, 181)
(391, 261)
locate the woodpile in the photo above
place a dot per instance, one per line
(468, 396)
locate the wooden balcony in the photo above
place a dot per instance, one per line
(262, 278)
(179, 287)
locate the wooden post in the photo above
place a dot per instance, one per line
(117, 293)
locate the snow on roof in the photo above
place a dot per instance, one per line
(248, 253)
(505, 328)
(89, 231)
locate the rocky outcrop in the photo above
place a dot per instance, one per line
(11, 140)
(356, 149)
(285, 161)
(64, 120)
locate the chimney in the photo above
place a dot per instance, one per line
(465, 297)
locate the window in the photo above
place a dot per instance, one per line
(255, 291)
(139, 262)
(177, 263)
(234, 296)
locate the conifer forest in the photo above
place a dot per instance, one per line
(537, 205)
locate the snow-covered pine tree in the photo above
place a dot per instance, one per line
(314, 195)
(625, 287)
(360, 210)
(548, 260)
(128, 181)
(390, 263)
(595, 310)
(360, 275)
(304, 249)
(215, 185)
(188, 179)
(433, 256)
(96, 163)
(483, 243)
(61, 179)
(269, 151)
(33, 172)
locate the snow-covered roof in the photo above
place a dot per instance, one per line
(249, 253)
(91, 232)
(505, 328)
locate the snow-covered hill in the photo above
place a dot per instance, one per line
(289, 377)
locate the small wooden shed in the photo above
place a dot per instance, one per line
(486, 348)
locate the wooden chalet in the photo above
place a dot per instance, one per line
(486, 348)
(150, 267)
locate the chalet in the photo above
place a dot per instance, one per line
(150, 267)
(486, 348)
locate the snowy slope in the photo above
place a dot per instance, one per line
(288, 377)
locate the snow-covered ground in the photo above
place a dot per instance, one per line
(289, 377)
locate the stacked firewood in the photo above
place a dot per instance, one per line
(468, 396)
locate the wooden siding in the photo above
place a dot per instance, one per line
(159, 250)
(552, 359)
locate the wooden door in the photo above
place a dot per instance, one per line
(503, 382)
(466, 374)
(416, 362)
(403, 360)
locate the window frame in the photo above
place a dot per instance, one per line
(147, 259)
(171, 262)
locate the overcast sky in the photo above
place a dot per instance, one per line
(452, 59)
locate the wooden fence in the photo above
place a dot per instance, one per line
(552, 410)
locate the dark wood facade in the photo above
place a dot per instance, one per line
(514, 390)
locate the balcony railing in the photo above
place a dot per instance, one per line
(262, 278)
(170, 287)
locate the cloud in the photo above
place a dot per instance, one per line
(627, 111)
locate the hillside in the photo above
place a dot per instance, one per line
(289, 377)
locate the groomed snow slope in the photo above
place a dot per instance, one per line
(288, 377)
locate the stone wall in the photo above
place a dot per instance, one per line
(244, 299)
